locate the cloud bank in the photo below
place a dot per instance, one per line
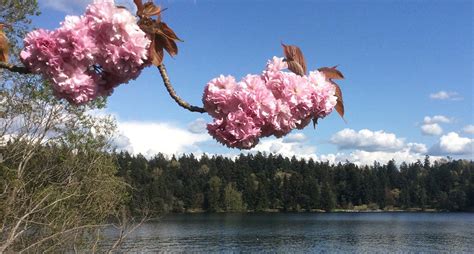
(367, 140)
(453, 144)
(150, 138)
(367, 146)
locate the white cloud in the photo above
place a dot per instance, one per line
(289, 149)
(436, 119)
(443, 95)
(453, 144)
(469, 129)
(198, 126)
(417, 148)
(432, 129)
(295, 138)
(367, 140)
(410, 152)
(360, 157)
(122, 143)
(78, 6)
(150, 138)
(366, 158)
(431, 125)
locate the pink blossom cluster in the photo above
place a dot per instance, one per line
(273, 103)
(88, 55)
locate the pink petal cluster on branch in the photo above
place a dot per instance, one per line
(88, 55)
(273, 103)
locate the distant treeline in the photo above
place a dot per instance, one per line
(262, 182)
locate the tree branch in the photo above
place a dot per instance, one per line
(173, 94)
(61, 233)
(14, 68)
(163, 73)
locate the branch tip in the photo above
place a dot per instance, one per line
(14, 68)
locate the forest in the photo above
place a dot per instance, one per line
(266, 182)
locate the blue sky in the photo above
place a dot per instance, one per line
(408, 65)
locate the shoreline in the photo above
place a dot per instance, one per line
(412, 210)
(336, 211)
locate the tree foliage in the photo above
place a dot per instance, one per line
(58, 183)
(275, 183)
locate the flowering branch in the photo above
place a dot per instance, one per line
(161, 68)
(274, 102)
(172, 92)
(151, 36)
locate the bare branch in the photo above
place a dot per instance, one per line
(61, 233)
(126, 227)
(124, 232)
(14, 68)
(173, 94)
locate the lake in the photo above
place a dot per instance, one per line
(306, 233)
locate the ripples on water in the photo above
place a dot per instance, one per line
(306, 232)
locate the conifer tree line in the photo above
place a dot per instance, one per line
(261, 182)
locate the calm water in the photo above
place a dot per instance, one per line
(306, 233)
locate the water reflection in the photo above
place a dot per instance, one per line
(283, 233)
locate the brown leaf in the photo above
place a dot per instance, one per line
(162, 36)
(165, 38)
(147, 26)
(167, 44)
(139, 5)
(150, 10)
(340, 103)
(4, 45)
(156, 53)
(331, 72)
(295, 68)
(295, 59)
(168, 32)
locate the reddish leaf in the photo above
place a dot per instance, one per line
(156, 53)
(295, 59)
(331, 72)
(340, 103)
(4, 45)
(168, 32)
(163, 37)
(139, 5)
(167, 44)
(295, 68)
(147, 26)
(150, 10)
